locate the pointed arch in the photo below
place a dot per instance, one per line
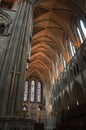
(66, 99)
(78, 93)
(39, 92)
(32, 91)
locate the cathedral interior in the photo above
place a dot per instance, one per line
(42, 64)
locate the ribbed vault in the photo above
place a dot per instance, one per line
(53, 24)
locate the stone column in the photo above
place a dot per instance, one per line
(12, 74)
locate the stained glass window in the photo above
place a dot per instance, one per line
(73, 51)
(64, 62)
(80, 36)
(39, 92)
(83, 27)
(26, 91)
(32, 91)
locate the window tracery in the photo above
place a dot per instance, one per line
(32, 98)
(39, 92)
(26, 91)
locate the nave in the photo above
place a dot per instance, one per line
(42, 64)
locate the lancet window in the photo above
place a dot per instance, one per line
(83, 28)
(26, 91)
(73, 51)
(39, 91)
(80, 36)
(32, 98)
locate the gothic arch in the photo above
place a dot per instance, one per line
(5, 17)
(82, 56)
(64, 79)
(59, 104)
(73, 69)
(5, 21)
(66, 98)
(77, 93)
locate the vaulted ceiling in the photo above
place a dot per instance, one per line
(53, 22)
